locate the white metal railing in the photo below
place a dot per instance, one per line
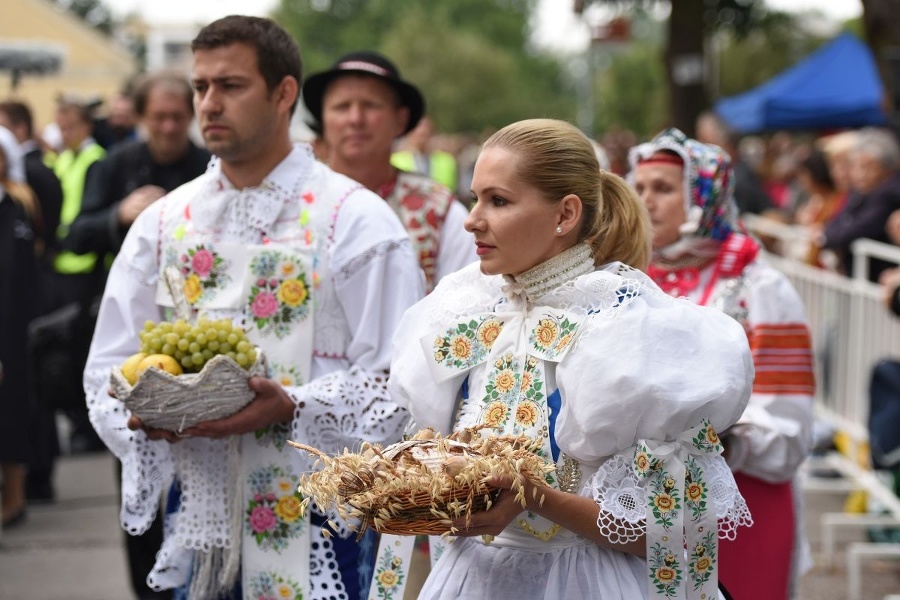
(851, 330)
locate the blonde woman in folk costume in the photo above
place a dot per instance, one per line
(701, 252)
(557, 335)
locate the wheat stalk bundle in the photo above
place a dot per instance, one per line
(421, 485)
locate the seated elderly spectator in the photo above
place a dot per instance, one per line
(874, 164)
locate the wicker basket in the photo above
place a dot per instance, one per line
(420, 486)
(176, 402)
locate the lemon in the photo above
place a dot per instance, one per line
(163, 362)
(130, 366)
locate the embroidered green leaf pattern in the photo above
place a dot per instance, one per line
(280, 293)
(503, 384)
(389, 574)
(707, 439)
(702, 560)
(666, 571)
(466, 344)
(203, 269)
(695, 492)
(272, 516)
(552, 335)
(665, 501)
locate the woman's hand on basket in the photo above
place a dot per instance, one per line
(271, 405)
(503, 510)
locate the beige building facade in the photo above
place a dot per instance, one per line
(92, 64)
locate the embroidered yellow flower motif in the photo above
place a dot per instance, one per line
(703, 564)
(505, 381)
(461, 347)
(285, 591)
(287, 269)
(495, 413)
(665, 574)
(642, 461)
(546, 332)
(527, 379)
(531, 363)
(292, 292)
(711, 436)
(396, 562)
(288, 508)
(527, 414)
(488, 332)
(388, 578)
(669, 483)
(699, 550)
(286, 380)
(664, 502)
(564, 341)
(192, 288)
(694, 491)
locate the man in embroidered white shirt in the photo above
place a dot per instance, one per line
(361, 106)
(267, 212)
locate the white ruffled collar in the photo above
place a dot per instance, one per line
(550, 274)
(249, 214)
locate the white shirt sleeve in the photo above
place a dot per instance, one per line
(376, 278)
(775, 431)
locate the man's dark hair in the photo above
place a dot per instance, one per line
(18, 113)
(277, 54)
(171, 81)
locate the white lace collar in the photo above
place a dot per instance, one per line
(565, 266)
(247, 215)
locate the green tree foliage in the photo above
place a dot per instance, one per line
(689, 24)
(747, 61)
(94, 12)
(631, 92)
(470, 58)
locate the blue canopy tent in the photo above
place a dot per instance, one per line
(836, 86)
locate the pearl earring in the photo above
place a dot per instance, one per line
(559, 229)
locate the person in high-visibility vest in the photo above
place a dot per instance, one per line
(78, 277)
(71, 167)
(419, 157)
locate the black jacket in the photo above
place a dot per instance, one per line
(109, 181)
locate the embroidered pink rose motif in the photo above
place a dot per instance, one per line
(264, 305)
(202, 263)
(262, 519)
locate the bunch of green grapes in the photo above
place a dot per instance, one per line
(193, 344)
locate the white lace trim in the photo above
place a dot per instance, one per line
(550, 274)
(344, 408)
(623, 499)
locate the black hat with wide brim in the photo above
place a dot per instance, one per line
(368, 63)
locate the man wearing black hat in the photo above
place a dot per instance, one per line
(361, 105)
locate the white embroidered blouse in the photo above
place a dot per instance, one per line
(605, 368)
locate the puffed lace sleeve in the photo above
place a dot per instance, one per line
(639, 384)
(128, 301)
(376, 278)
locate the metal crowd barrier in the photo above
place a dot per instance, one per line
(851, 331)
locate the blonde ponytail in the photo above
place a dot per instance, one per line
(621, 226)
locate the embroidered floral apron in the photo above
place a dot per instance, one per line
(269, 288)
